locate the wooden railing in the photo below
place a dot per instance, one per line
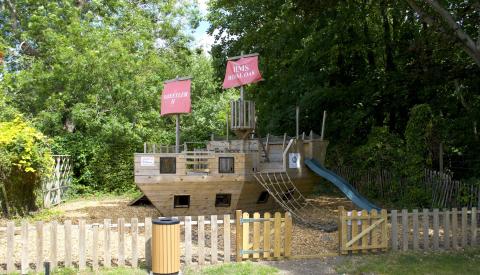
(242, 115)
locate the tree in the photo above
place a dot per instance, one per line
(460, 29)
(93, 76)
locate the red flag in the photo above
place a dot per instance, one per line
(176, 97)
(242, 71)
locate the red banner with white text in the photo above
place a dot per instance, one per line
(241, 72)
(176, 97)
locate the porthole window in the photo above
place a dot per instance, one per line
(223, 200)
(263, 198)
(181, 201)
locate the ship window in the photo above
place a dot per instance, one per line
(288, 195)
(263, 198)
(181, 201)
(226, 165)
(168, 165)
(223, 200)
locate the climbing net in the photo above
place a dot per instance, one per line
(286, 194)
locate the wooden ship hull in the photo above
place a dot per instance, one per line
(222, 177)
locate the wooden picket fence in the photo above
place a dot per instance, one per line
(205, 240)
(429, 230)
(434, 230)
(262, 234)
(27, 246)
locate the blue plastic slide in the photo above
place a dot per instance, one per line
(342, 184)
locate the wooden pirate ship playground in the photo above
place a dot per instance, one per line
(248, 173)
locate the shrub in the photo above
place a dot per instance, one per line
(25, 159)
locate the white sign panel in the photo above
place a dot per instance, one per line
(294, 160)
(147, 161)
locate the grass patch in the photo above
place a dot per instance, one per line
(245, 268)
(462, 262)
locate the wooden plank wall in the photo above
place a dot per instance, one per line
(124, 243)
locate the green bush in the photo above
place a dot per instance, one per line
(25, 159)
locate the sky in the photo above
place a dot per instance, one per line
(201, 37)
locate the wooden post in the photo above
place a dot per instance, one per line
(354, 230)
(288, 235)
(435, 229)
(464, 227)
(284, 141)
(213, 239)
(384, 215)
(148, 241)
(405, 229)
(94, 247)
(188, 240)
(342, 230)
(227, 129)
(201, 239)
(177, 133)
(134, 232)
(53, 245)
(426, 228)
(365, 224)
(226, 238)
(246, 235)
(323, 124)
(394, 230)
(121, 242)
(81, 245)
(106, 243)
(266, 235)
(277, 234)
(446, 229)
(239, 233)
(374, 233)
(415, 229)
(10, 247)
(39, 247)
(256, 235)
(68, 243)
(25, 248)
(454, 228)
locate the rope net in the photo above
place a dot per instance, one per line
(286, 194)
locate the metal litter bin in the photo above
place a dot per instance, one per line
(166, 246)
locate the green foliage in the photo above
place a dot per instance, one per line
(93, 77)
(25, 159)
(368, 63)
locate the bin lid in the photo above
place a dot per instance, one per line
(165, 221)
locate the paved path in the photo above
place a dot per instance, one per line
(311, 266)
